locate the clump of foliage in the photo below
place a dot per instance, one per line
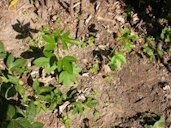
(21, 106)
(166, 34)
(155, 48)
(65, 67)
(119, 56)
(158, 124)
(151, 50)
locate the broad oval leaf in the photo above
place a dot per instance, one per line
(49, 69)
(69, 58)
(65, 78)
(67, 66)
(121, 57)
(42, 61)
(1, 47)
(18, 63)
(49, 39)
(10, 60)
(49, 47)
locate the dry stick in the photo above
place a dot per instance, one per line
(71, 8)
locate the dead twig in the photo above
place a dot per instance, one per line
(71, 8)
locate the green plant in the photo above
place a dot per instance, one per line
(67, 70)
(80, 106)
(11, 74)
(88, 42)
(128, 12)
(148, 48)
(14, 117)
(119, 56)
(127, 39)
(158, 124)
(15, 78)
(117, 60)
(166, 34)
(94, 68)
(151, 50)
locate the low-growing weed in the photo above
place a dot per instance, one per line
(119, 56)
(149, 48)
(43, 97)
(117, 60)
(94, 68)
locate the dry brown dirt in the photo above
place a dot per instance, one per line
(139, 88)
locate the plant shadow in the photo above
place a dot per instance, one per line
(34, 52)
(23, 30)
(154, 13)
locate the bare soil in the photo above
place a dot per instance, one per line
(139, 89)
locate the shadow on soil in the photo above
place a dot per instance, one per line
(152, 12)
(23, 30)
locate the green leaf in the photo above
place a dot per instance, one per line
(69, 78)
(117, 60)
(148, 51)
(65, 39)
(160, 123)
(48, 54)
(49, 39)
(20, 89)
(19, 123)
(11, 111)
(128, 46)
(18, 63)
(1, 47)
(160, 52)
(45, 89)
(36, 85)
(69, 59)
(10, 60)
(49, 47)
(49, 69)
(66, 121)
(37, 125)
(66, 78)
(91, 103)
(2, 55)
(121, 57)
(77, 107)
(13, 79)
(31, 111)
(60, 65)
(42, 61)
(67, 66)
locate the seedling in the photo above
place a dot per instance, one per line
(119, 56)
(68, 71)
(152, 50)
(117, 60)
(166, 34)
(94, 68)
(127, 39)
(80, 106)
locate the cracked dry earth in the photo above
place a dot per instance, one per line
(139, 88)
